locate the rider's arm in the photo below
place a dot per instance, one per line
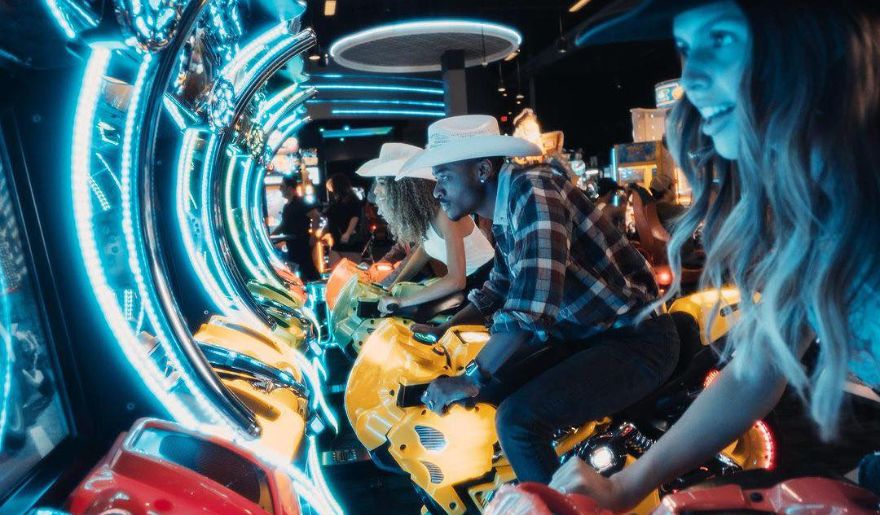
(416, 262)
(456, 268)
(352, 225)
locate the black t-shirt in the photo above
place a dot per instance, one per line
(339, 215)
(295, 219)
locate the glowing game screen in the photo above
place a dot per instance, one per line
(32, 416)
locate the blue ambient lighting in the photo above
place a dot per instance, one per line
(175, 113)
(60, 19)
(422, 103)
(7, 361)
(379, 87)
(375, 76)
(356, 133)
(186, 205)
(81, 151)
(389, 112)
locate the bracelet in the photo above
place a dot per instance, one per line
(475, 373)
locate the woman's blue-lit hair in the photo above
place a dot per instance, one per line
(795, 220)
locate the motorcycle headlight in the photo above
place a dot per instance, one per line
(602, 458)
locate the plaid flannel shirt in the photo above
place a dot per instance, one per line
(561, 269)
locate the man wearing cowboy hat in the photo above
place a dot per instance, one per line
(565, 282)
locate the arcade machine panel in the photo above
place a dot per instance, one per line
(39, 436)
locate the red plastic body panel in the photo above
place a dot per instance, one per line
(141, 483)
(805, 495)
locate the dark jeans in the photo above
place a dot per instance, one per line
(575, 382)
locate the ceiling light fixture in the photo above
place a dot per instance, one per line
(329, 7)
(562, 42)
(577, 6)
(501, 88)
(315, 54)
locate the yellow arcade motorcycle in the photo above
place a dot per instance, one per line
(353, 300)
(455, 461)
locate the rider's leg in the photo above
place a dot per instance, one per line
(616, 369)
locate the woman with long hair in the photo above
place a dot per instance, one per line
(415, 216)
(778, 136)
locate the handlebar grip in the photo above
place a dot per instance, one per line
(425, 338)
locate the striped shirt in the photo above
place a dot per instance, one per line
(561, 269)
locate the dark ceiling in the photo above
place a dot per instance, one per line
(537, 20)
(587, 92)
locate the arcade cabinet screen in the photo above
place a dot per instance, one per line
(32, 417)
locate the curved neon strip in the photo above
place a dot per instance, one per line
(390, 112)
(235, 234)
(424, 27)
(251, 49)
(379, 87)
(266, 56)
(374, 76)
(291, 125)
(294, 99)
(185, 164)
(422, 103)
(60, 19)
(256, 214)
(8, 359)
(82, 207)
(133, 123)
(278, 97)
(250, 225)
(212, 252)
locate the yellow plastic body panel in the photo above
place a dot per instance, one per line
(391, 358)
(348, 328)
(257, 343)
(282, 297)
(291, 331)
(280, 413)
(342, 272)
(721, 305)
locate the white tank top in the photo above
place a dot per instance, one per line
(477, 249)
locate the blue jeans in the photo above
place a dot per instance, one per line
(579, 382)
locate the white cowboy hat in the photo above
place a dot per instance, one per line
(391, 158)
(470, 136)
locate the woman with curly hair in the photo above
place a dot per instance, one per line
(415, 216)
(779, 135)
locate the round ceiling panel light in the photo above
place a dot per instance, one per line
(417, 46)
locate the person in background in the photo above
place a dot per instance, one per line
(611, 203)
(783, 160)
(294, 228)
(343, 213)
(668, 210)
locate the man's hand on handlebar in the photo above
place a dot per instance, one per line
(388, 305)
(444, 391)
